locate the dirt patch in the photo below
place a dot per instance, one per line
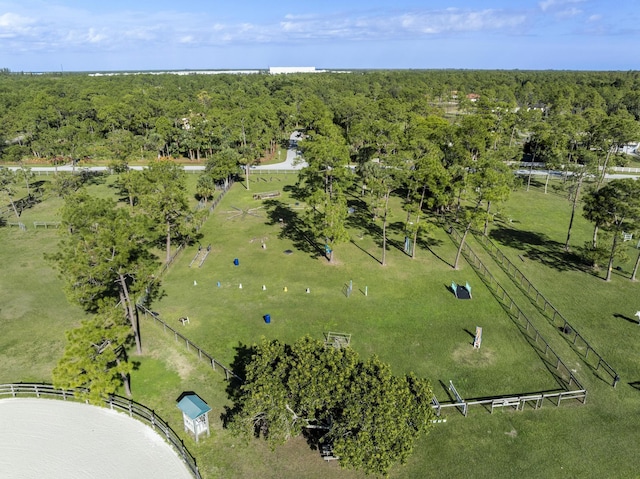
(466, 355)
(174, 360)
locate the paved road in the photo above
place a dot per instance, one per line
(293, 161)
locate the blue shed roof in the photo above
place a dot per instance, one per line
(193, 406)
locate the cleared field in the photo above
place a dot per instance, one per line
(403, 312)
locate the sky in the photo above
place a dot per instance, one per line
(115, 35)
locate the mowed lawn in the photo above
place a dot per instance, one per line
(403, 312)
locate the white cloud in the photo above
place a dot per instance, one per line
(49, 27)
(408, 24)
(454, 20)
(13, 25)
(556, 4)
(14, 21)
(95, 37)
(569, 12)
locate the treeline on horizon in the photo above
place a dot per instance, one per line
(56, 118)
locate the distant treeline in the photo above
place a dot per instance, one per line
(124, 118)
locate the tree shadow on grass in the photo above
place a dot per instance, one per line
(360, 219)
(292, 228)
(241, 359)
(538, 247)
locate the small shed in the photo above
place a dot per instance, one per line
(195, 413)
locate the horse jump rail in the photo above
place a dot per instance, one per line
(266, 194)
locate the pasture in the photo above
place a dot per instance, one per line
(408, 317)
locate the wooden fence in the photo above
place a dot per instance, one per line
(132, 408)
(578, 342)
(570, 386)
(515, 402)
(202, 354)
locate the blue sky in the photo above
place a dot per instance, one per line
(75, 35)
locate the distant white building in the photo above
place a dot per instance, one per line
(281, 70)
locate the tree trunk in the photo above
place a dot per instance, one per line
(384, 229)
(635, 268)
(26, 180)
(613, 252)
(594, 244)
(130, 311)
(459, 252)
(13, 205)
(546, 183)
(604, 169)
(573, 213)
(415, 232)
(168, 242)
(486, 220)
(531, 170)
(126, 381)
(247, 175)
(458, 205)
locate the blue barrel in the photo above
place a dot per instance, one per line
(236, 261)
(267, 318)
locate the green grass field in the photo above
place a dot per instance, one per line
(409, 318)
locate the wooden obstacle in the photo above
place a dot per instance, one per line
(477, 341)
(206, 253)
(326, 452)
(337, 340)
(46, 224)
(266, 194)
(201, 256)
(459, 401)
(197, 255)
(19, 225)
